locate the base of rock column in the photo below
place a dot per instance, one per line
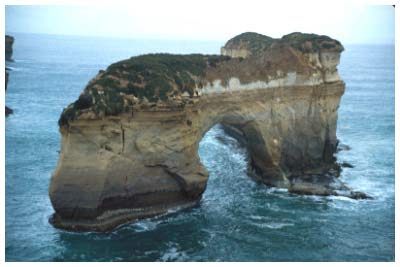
(111, 219)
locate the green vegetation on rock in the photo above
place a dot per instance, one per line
(310, 42)
(305, 42)
(148, 78)
(252, 41)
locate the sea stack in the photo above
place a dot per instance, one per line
(8, 110)
(129, 146)
(9, 41)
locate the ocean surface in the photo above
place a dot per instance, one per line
(237, 219)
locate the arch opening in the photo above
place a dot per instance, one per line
(226, 159)
(252, 137)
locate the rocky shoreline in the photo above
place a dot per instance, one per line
(130, 142)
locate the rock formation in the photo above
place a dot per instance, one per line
(129, 145)
(9, 41)
(8, 110)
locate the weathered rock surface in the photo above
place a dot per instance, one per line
(130, 142)
(9, 41)
(8, 110)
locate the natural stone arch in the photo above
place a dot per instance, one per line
(151, 159)
(128, 154)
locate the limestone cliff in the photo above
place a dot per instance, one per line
(130, 142)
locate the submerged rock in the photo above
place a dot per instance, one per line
(323, 185)
(359, 195)
(346, 165)
(129, 145)
(343, 147)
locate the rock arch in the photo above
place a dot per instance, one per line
(127, 154)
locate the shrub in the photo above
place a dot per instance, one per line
(298, 40)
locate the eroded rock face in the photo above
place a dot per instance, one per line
(130, 142)
(8, 110)
(9, 41)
